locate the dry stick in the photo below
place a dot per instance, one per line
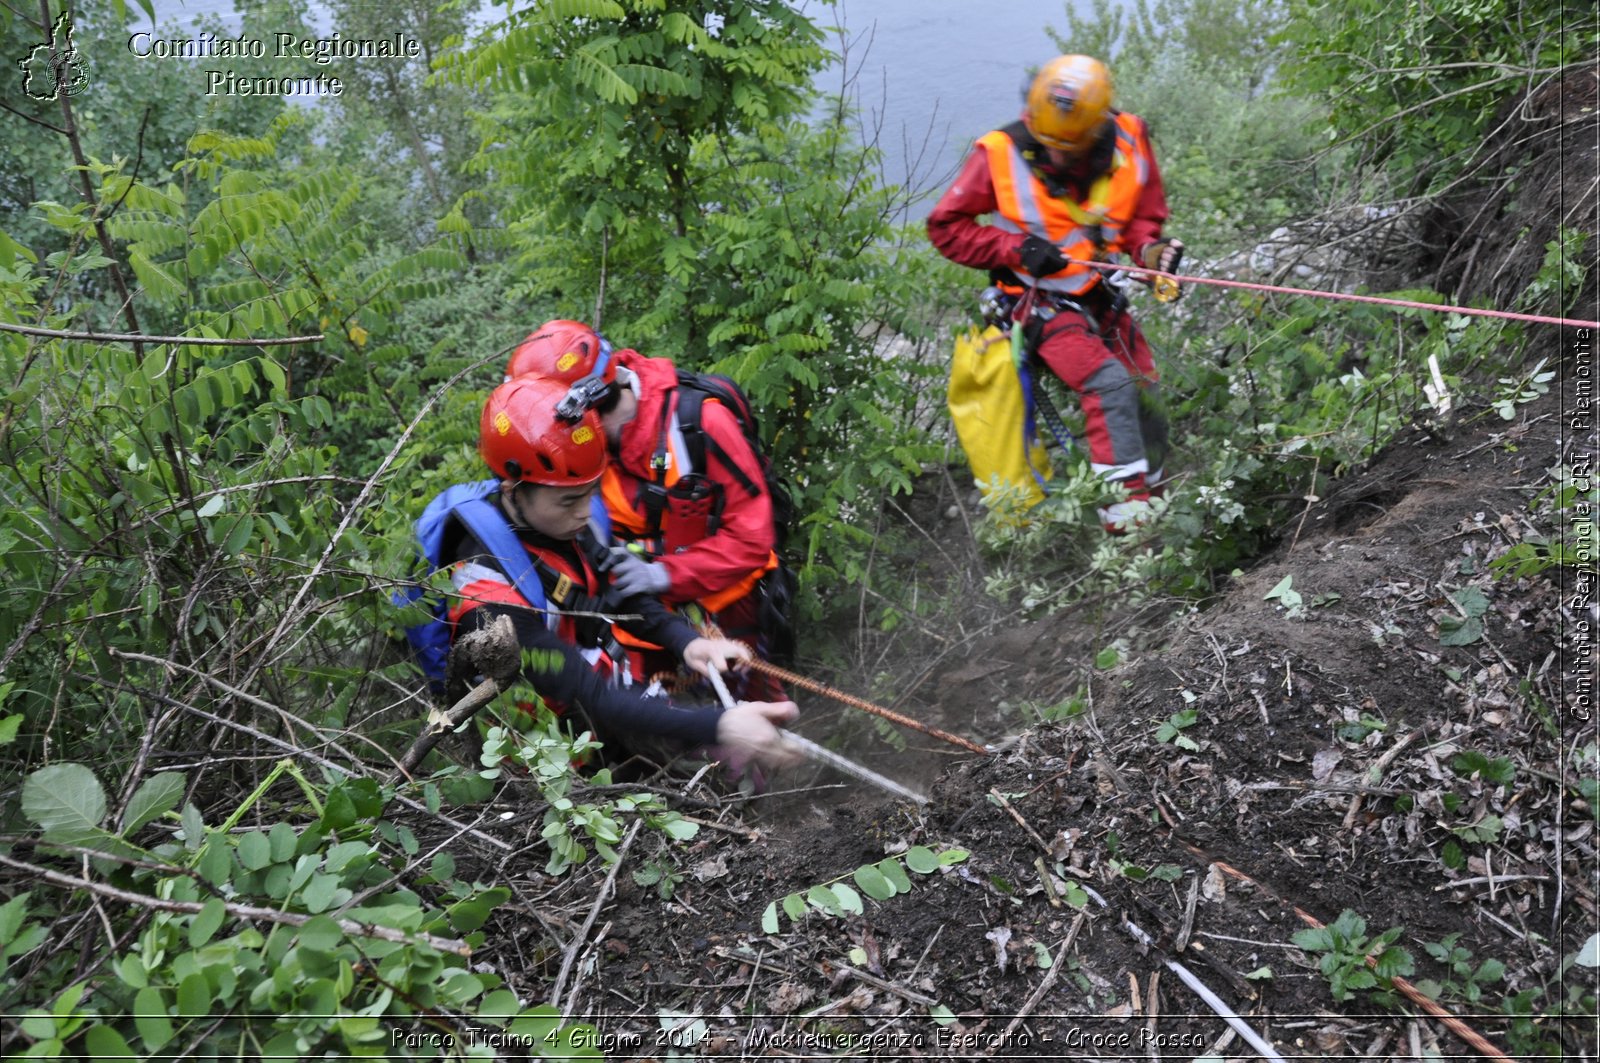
(1040, 842)
(1044, 984)
(1214, 1002)
(459, 713)
(881, 983)
(1493, 880)
(1311, 500)
(1375, 774)
(865, 706)
(1472, 1037)
(582, 937)
(134, 337)
(1152, 1011)
(1186, 928)
(238, 911)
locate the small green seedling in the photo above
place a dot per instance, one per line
(1520, 390)
(1467, 982)
(1358, 730)
(1345, 948)
(1496, 770)
(1172, 730)
(1288, 597)
(1467, 628)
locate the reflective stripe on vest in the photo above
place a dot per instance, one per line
(629, 521)
(1024, 204)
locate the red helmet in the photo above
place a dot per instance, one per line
(521, 438)
(564, 351)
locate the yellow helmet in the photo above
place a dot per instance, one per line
(1068, 101)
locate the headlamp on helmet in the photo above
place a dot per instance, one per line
(1068, 102)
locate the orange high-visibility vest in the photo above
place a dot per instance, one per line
(1026, 206)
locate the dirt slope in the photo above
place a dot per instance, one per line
(1343, 757)
(1401, 742)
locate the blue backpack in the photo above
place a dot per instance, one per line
(430, 640)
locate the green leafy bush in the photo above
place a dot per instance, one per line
(667, 178)
(283, 942)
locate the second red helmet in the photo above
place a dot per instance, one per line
(522, 439)
(562, 350)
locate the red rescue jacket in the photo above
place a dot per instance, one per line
(712, 568)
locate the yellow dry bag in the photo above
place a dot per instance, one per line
(989, 409)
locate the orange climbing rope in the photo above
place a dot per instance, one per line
(826, 691)
(1473, 311)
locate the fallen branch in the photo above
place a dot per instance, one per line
(1044, 983)
(134, 337)
(491, 651)
(885, 985)
(238, 911)
(1214, 1002)
(582, 937)
(1014, 814)
(441, 724)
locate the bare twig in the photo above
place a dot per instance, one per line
(238, 911)
(1044, 983)
(135, 337)
(1492, 880)
(1014, 814)
(1311, 500)
(887, 986)
(582, 936)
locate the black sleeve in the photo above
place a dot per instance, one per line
(656, 623)
(559, 673)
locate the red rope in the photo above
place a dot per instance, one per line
(1379, 300)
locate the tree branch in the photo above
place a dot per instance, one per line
(128, 337)
(238, 911)
(30, 118)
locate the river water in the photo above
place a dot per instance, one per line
(931, 76)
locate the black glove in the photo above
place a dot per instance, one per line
(1040, 257)
(1164, 255)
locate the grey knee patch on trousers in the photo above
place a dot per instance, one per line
(1119, 404)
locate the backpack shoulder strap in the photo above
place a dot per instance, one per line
(493, 532)
(693, 391)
